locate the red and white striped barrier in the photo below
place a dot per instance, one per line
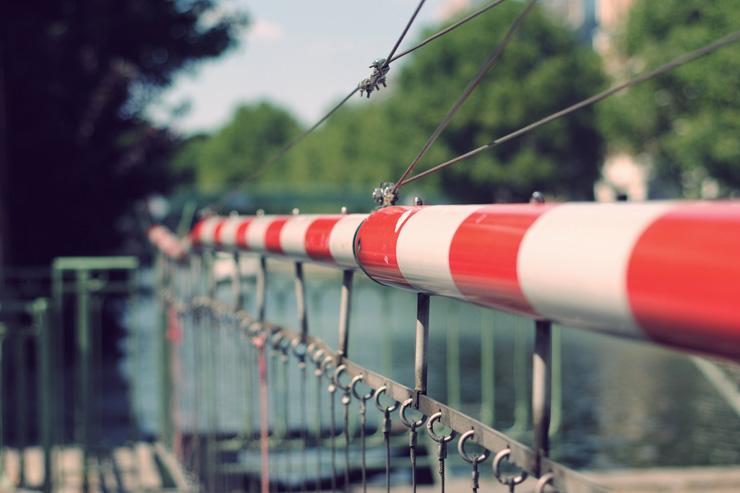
(664, 271)
(319, 238)
(668, 272)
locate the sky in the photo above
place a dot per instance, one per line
(302, 55)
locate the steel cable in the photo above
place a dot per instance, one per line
(296, 140)
(446, 30)
(472, 85)
(675, 63)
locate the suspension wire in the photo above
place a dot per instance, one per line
(446, 30)
(389, 58)
(299, 138)
(726, 40)
(472, 85)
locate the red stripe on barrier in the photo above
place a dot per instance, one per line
(197, 231)
(217, 232)
(683, 278)
(483, 255)
(317, 238)
(375, 244)
(272, 235)
(241, 233)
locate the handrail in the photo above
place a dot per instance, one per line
(664, 272)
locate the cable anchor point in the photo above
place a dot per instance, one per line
(385, 194)
(377, 77)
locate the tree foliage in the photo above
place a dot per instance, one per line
(688, 121)
(77, 76)
(254, 135)
(543, 70)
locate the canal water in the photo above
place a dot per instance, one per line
(621, 404)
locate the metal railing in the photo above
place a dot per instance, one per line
(411, 248)
(57, 368)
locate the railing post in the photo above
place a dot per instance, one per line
(21, 400)
(422, 343)
(345, 310)
(300, 298)
(39, 310)
(261, 288)
(541, 389)
(3, 335)
(165, 382)
(83, 366)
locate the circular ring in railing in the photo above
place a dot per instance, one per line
(506, 480)
(317, 356)
(384, 409)
(253, 327)
(430, 428)
(410, 424)
(545, 479)
(353, 385)
(299, 348)
(275, 340)
(461, 449)
(337, 378)
(327, 363)
(285, 344)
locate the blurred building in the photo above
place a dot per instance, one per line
(597, 23)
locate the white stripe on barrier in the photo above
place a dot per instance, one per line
(341, 240)
(293, 234)
(256, 232)
(207, 230)
(228, 231)
(423, 247)
(572, 263)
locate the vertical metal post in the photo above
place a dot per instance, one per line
(237, 284)
(557, 382)
(39, 311)
(165, 382)
(422, 343)
(345, 306)
(21, 401)
(83, 366)
(261, 289)
(57, 279)
(3, 335)
(300, 299)
(541, 389)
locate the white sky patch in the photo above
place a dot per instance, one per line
(264, 30)
(450, 8)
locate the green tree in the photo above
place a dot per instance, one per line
(688, 121)
(238, 150)
(76, 77)
(543, 70)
